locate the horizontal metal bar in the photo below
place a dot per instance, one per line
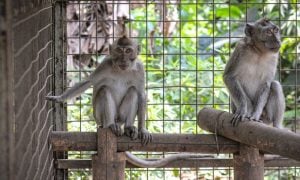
(187, 163)
(201, 143)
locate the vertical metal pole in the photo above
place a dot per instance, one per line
(108, 164)
(7, 120)
(248, 164)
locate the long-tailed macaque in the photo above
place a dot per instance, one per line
(119, 96)
(250, 72)
(118, 91)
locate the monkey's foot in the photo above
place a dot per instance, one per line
(116, 129)
(131, 131)
(255, 119)
(238, 117)
(145, 136)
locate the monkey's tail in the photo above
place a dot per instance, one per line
(161, 162)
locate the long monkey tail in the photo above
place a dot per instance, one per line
(161, 162)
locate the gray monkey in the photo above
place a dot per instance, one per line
(118, 91)
(119, 95)
(250, 72)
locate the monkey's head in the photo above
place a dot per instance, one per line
(124, 52)
(264, 34)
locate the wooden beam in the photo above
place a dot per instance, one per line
(201, 143)
(187, 163)
(259, 135)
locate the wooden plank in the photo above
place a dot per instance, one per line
(266, 138)
(201, 143)
(187, 163)
(74, 141)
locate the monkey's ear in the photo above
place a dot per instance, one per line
(249, 29)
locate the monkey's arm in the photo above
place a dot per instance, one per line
(260, 101)
(78, 88)
(238, 97)
(235, 88)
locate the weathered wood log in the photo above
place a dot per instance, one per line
(87, 141)
(259, 135)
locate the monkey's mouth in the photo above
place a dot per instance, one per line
(274, 48)
(123, 67)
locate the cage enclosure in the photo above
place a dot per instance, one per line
(49, 45)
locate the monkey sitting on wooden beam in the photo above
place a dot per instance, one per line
(118, 91)
(119, 96)
(250, 72)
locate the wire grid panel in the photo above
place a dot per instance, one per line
(185, 46)
(33, 58)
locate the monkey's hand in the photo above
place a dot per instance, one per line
(238, 116)
(54, 98)
(131, 131)
(145, 136)
(116, 129)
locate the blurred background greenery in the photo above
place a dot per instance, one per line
(185, 46)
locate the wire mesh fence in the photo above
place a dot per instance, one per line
(30, 54)
(185, 46)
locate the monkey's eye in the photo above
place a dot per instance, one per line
(128, 50)
(269, 32)
(276, 30)
(119, 50)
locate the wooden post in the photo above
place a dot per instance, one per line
(248, 164)
(108, 164)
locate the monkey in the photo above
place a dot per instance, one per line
(119, 96)
(118, 91)
(250, 72)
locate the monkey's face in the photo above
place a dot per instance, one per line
(266, 35)
(270, 36)
(124, 51)
(124, 57)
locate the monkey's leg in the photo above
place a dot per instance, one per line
(275, 106)
(105, 110)
(128, 111)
